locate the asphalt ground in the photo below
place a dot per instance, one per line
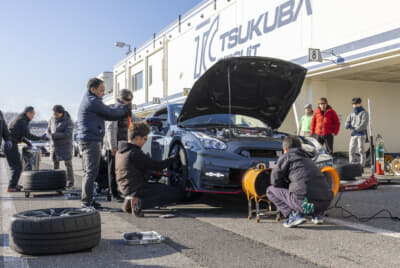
(215, 232)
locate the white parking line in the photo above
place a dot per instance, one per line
(363, 227)
(10, 257)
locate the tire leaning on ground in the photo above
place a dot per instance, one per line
(55, 230)
(42, 180)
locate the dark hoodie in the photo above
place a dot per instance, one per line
(131, 166)
(296, 171)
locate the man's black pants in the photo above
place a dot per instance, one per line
(157, 194)
(326, 140)
(14, 161)
(112, 182)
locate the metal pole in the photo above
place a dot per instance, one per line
(295, 116)
(371, 140)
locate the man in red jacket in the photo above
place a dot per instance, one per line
(324, 124)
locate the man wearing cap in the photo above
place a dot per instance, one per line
(357, 122)
(305, 121)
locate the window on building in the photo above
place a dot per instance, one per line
(150, 75)
(118, 86)
(138, 81)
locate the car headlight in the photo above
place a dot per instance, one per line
(210, 142)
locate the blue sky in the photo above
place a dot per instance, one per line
(50, 48)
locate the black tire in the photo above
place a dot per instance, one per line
(179, 175)
(35, 233)
(348, 171)
(43, 180)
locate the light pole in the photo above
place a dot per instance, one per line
(122, 44)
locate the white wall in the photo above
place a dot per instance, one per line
(156, 88)
(139, 96)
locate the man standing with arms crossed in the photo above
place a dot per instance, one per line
(91, 116)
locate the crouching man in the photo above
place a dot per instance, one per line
(294, 179)
(132, 167)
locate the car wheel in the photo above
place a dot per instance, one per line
(348, 171)
(179, 174)
(55, 230)
(44, 180)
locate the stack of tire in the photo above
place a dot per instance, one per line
(44, 180)
(348, 172)
(55, 230)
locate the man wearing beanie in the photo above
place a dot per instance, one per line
(357, 122)
(305, 121)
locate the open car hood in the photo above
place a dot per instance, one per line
(263, 88)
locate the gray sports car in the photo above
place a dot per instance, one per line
(228, 124)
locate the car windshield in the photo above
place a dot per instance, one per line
(234, 120)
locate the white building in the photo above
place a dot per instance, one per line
(363, 35)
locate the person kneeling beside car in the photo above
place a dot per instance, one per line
(297, 184)
(132, 167)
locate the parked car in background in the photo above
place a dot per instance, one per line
(229, 124)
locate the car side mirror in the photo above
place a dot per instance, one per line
(155, 122)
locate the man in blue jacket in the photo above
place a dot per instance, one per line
(91, 116)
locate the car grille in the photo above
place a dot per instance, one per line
(262, 153)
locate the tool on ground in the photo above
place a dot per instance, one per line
(142, 238)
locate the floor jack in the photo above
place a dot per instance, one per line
(360, 184)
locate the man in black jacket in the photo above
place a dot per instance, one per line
(132, 167)
(19, 132)
(4, 134)
(294, 178)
